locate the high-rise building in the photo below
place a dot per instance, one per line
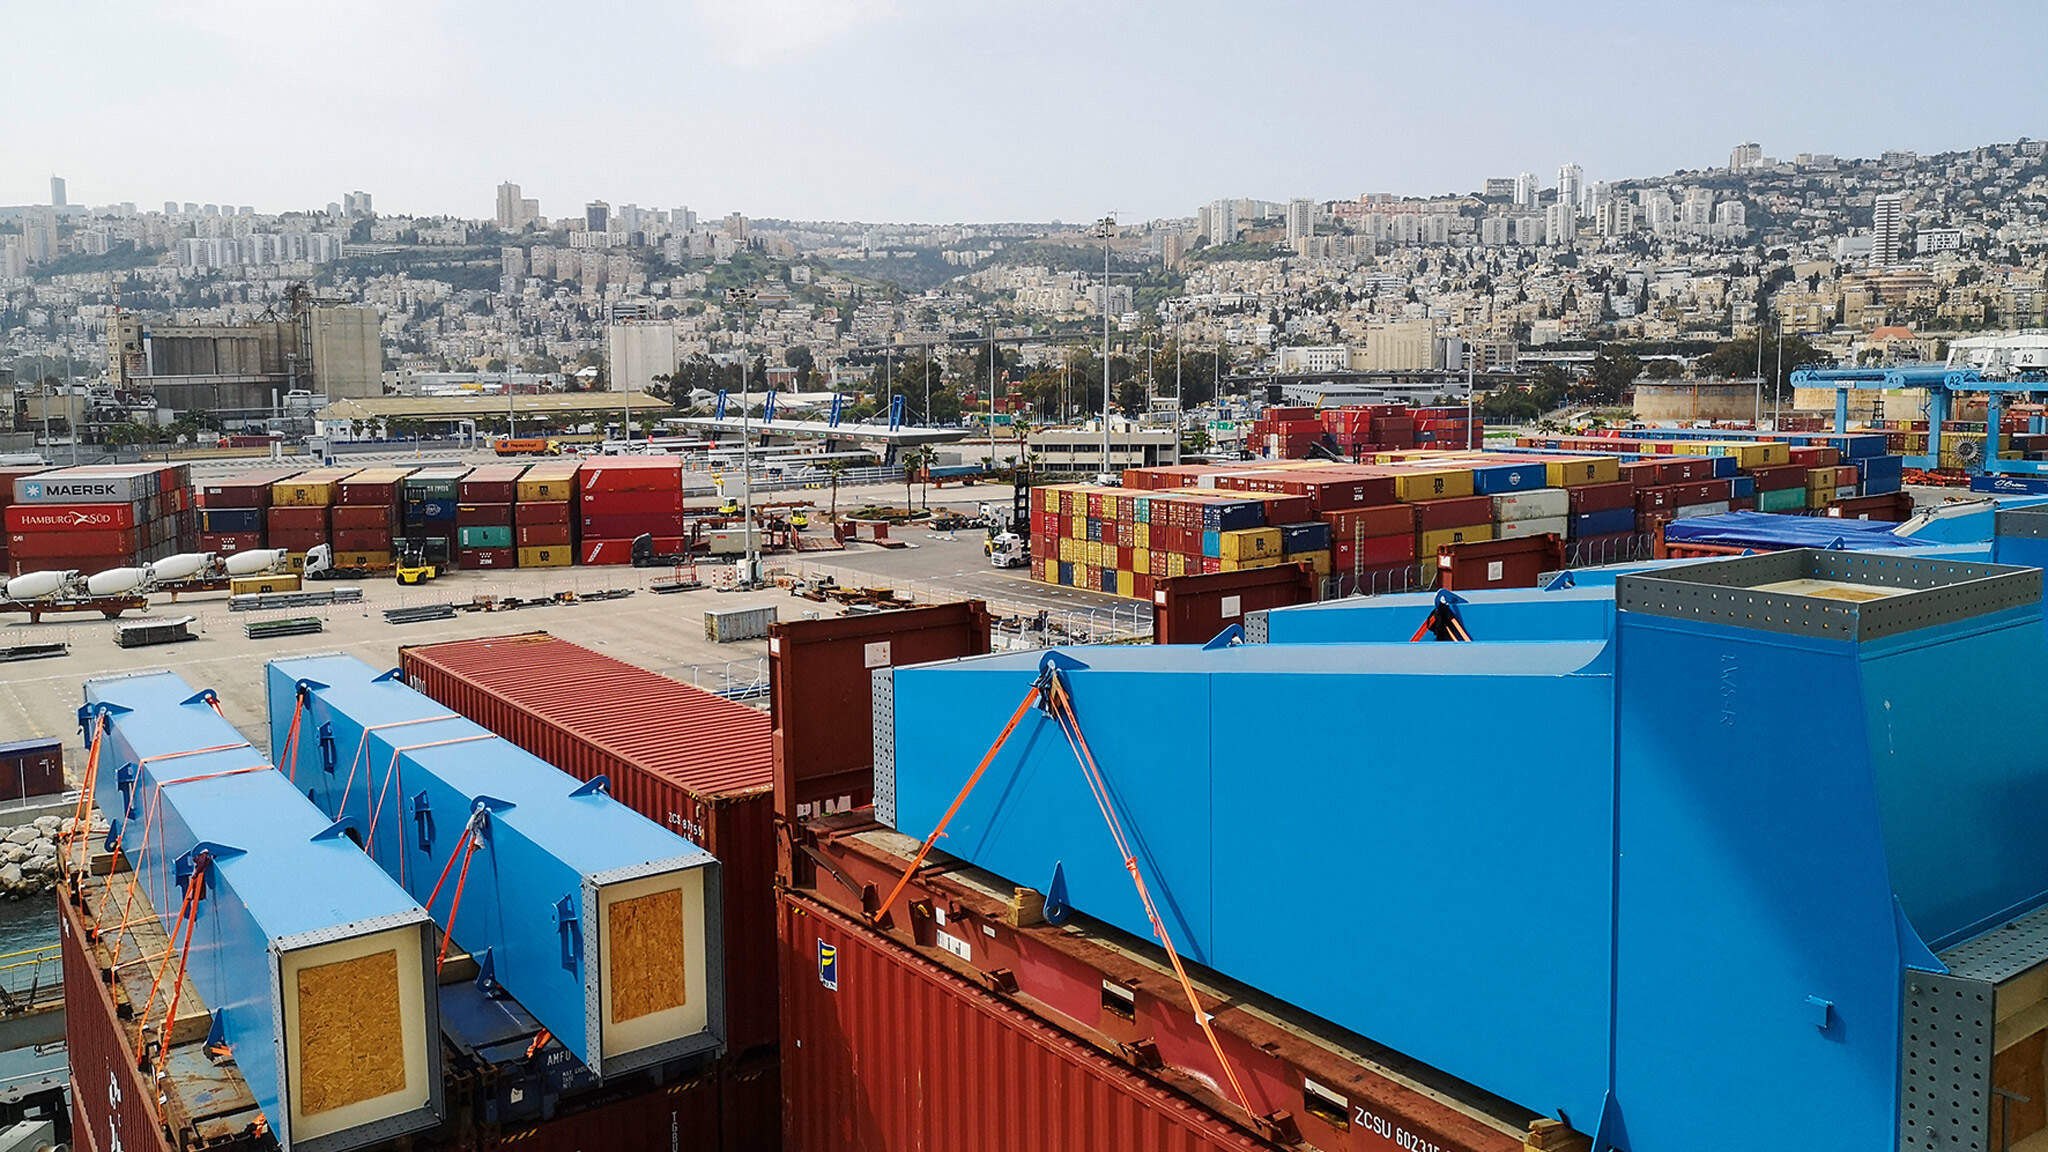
(357, 204)
(1172, 248)
(1499, 187)
(1527, 190)
(1731, 214)
(1887, 218)
(1617, 217)
(1560, 223)
(1745, 157)
(597, 216)
(1571, 185)
(57, 192)
(1223, 221)
(511, 215)
(683, 220)
(1301, 221)
(39, 235)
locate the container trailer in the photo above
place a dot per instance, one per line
(317, 968)
(602, 924)
(1785, 868)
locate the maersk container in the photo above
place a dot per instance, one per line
(602, 924)
(319, 970)
(674, 753)
(726, 625)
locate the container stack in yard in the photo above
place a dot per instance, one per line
(96, 517)
(300, 514)
(1873, 920)
(188, 1067)
(427, 519)
(623, 497)
(365, 517)
(483, 516)
(233, 510)
(544, 520)
(676, 754)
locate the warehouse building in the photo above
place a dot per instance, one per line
(332, 350)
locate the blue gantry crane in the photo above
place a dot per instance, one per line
(1943, 385)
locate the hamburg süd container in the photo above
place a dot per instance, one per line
(601, 923)
(678, 755)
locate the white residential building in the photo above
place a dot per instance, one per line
(1887, 220)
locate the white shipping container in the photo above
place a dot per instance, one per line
(1717, 508)
(1846, 492)
(724, 626)
(66, 486)
(1517, 529)
(1535, 504)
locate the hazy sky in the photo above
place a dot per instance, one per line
(945, 110)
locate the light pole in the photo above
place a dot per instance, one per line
(1105, 228)
(750, 573)
(1778, 385)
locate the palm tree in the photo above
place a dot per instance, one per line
(925, 455)
(835, 469)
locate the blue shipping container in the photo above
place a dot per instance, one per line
(1312, 537)
(224, 520)
(1495, 480)
(1604, 523)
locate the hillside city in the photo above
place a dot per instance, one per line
(1850, 260)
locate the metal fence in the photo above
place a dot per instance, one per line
(745, 681)
(1423, 575)
(29, 976)
(1019, 623)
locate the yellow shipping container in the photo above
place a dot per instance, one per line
(1245, 543)
(1141, 536)
(259, 585)
(549, 482)
(1819, 497)
(551, 556)
(1077, 527)
(1066, 550)
(1141, 561)
(1427, 543)
(362, 559)
(1819, 479)
(1433, 484)
(1126, 583)
(1584, 470)
(309, 489)
(1319, 560)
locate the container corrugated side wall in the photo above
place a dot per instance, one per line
(114, 1104)
(682, 1115)
(901, 1055)
(738, 830)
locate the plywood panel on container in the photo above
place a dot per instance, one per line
(883, 1052)
(693, 762)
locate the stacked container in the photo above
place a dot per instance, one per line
(365, 517)
(232, 510)
(99, 517)
(483, 517)
(298, 518)
(7, 478)
(427, 522)
(628, 496)
(544, 519)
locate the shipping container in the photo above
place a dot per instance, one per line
(553, 481)
(727, 625)
(491, 484)
(631, 474)
(87, 486)
(674, 753)
(542, 513)
(1196, 609)
(31, 768)
(820, 689)
(316, 487)
(372, 486)
(546, 557)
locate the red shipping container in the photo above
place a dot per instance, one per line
(53, 545)
(292, 541)
(1815, 456)
(361, 540)
(552, 512)
(634, 503)
(541, 535)
(286, 518)
(1457, 512)
(1639, 473)
(1385, 520)
(357, 517)
(1588, 498)
(491, 484)
(1682, 469)
(611, 551)
(861, 1070)
(1845, 475)
(487, 557)
(368, 492)
(68, 517)
(697, 764)
(472, 515)
(1779, 477)
(244, 489)
(1349, 555)
(229, 541)
(627, 527)
(630, 474)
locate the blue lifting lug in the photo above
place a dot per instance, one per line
(394, 674)
(124, 780)
(1057, 910)
(596, 786)
(1230, 637)
(217, 1036)
(1560, 582)
(569, 926)
(1820, 1012)
(487, 976)
(204, 696)
(423, 816)
(344, 828)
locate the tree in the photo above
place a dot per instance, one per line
(799, 357)
(834, 469)
(1662, 369)
(1614, 373)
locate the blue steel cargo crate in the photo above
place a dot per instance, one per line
(319, 971)
(600, 922)
(1787, 864)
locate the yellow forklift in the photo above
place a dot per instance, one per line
(413, 567)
